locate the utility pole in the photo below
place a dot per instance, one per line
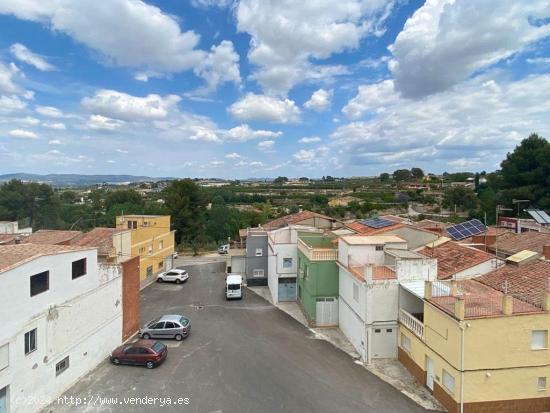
(499, 208)
(518, 202)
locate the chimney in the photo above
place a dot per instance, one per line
(427, 290)
(507, 304)
(454, 288)
(546, 252)
(460, 309)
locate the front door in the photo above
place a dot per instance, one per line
(287, 289)
(3, 400)
(429, 373)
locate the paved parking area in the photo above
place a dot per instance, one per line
(242, 356)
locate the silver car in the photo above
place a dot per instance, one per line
(168, 326)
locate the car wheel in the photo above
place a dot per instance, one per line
(178, 337)
(146, 336)
(150, 365)
(116, 361)
(178, 281)
(159, 280)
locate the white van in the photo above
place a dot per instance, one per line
(233, 286)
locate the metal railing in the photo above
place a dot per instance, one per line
(412, 323)
(317, 254)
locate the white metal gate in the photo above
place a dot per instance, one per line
(384, 341)
(326, 311)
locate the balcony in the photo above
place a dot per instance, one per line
(412, 323)
(316, 253)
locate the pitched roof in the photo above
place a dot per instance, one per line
(51, 236)
(12, 256)
(366, 230)
(526, 282)
(512, 243)
(453, 257)
(101, 238)
(7, 238)
(294, 219)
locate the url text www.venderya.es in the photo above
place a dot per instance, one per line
(98, 400)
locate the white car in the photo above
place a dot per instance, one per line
(176, 275)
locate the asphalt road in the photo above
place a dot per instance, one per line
(242, 356)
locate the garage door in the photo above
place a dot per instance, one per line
(287, 289)
(384, 341)
(326, 312)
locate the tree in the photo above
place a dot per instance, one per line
(186, 204)
(402, 175)
(280, 180)
(384, 177)
(464, 198)
(123, 196)
(417, 173)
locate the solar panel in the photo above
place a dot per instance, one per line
(539, 215)
(466, 229)
(377, 222)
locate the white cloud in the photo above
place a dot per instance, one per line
(371, 98)
(99, 122)
(220, 66)
(446, 41)
(286, 35)
(7, 78)
(24, 134)
(125, 32)
(50, 112)
(190, 127)
(10, 104)
(245, 133)
(233, 155)
(479, 115)
(56, 157)
(305, 155)
(212, 3)
(118, 105)
(54, 142)
(310, 139)
(23, 54)
(266, 146)
(122, 151)
(265, 108)
(320, 100)
(55, 126)
(28, 120)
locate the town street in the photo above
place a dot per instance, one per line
(242, 356)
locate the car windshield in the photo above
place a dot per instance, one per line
(158, 347)
(184, 321)
(234, 287)
(152, 322)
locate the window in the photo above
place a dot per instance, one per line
(405, 343)
(541, 383)
(62, 366)
(379, 248)
(539, 339)
(448, 382)
(30, 341)
(377, 330)
(150, 249)
(132, 224)
(356, 292)
(161, 245)
(258, 273)
(287, 262)
(161, 264)
(142, 250)
(169, 324)
(388, 330)
(259, 252)
(158, 326)
(40, 283)
(150, 271)
(79, 268)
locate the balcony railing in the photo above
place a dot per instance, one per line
(317, 254)
(412, 323)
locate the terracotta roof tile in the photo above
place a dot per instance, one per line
(51, 236)
(7, 239)
(293, 219)
(453, 257)
(511, 243)
(12, 256)
(101, 238)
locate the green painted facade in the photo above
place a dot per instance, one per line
(315, 278)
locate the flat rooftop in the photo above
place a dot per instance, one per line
(372, 239)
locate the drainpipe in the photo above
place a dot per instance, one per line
(461, 326)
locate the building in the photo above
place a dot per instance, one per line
(66, 314)
(459, 261)
(481, 345)
(318, 278)
(12, 227)
(113, 245)
(305, 218)
(282, 265)
(371, 268)
(511, 243)
(152, 241)
(52, 237)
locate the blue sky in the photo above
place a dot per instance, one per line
(259, 88)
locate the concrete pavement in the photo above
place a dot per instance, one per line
(242, 356)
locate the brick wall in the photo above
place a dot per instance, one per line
(130, 297)
(446, 399)
(413, 368)
(538, 405)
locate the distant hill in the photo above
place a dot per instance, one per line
(79, 180)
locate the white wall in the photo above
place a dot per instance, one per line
(411, 270)
(351, 312)
(382, 301)
(79, 318)
(476, 270)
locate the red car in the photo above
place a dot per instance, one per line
(148, 353)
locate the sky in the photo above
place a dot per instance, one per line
(262, 88)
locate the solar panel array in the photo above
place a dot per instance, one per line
(539, 215)
(377, 222)
(466, 229)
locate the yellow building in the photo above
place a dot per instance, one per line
(481, 345)
(151, 240)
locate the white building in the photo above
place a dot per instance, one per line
(282, 267)
(370, 271)
(12, 227)
(61, 315)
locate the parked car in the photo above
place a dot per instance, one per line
(223, 249)
(148, 353)
(233, 286)
(168, 326)
(175, 275)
